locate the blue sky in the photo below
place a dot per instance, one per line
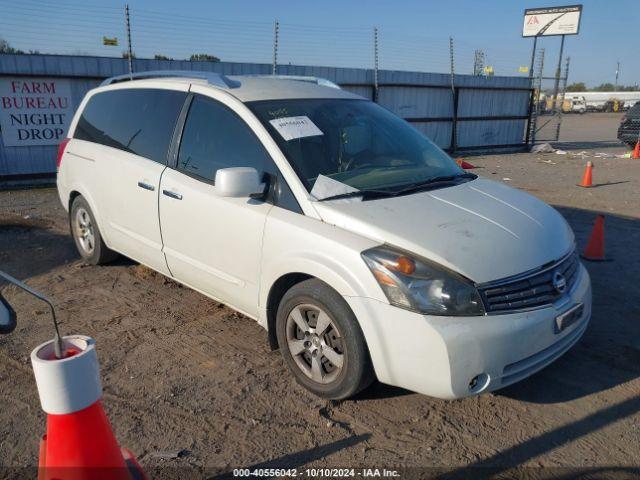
(413, 34)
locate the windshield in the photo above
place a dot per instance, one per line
(355, 142)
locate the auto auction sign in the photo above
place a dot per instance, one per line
(34, 110)
(540, 22)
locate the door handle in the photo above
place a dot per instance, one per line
(146, 186)
(171, 194)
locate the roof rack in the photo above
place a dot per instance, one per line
(212, 78)
(301, 78)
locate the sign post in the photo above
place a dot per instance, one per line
(533, 56)
(558, 73)
(552, 21)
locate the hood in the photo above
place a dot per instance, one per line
(481, 229)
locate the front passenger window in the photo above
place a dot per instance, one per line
(215, 137)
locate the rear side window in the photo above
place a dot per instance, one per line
(139, 121)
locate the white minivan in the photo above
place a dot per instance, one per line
(359, 245)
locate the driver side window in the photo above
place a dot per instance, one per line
(215, 137)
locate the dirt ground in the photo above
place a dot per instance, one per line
(184, 374)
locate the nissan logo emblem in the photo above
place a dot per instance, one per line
(559, 282)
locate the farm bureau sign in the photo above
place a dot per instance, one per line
(34, 111)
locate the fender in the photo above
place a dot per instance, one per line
(294, 243)
(347, 282)
(322, 267)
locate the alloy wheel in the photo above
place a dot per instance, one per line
(84, 231)
(315, 343)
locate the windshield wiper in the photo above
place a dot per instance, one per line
(365, 194)
(435, 182)
(432, 182)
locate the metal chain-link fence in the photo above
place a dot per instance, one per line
(75, 28)
(100, 30)
(578, 119)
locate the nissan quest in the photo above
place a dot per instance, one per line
(361, 247)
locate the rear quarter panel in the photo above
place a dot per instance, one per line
(80, 172)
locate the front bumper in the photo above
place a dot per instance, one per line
(439, 356)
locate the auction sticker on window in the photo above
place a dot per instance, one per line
(292, 128)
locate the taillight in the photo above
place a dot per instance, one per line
(61, 147)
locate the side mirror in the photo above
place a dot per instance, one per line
(239, 182)
(8, 319)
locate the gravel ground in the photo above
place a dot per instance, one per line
(590, 130)
(184, 374)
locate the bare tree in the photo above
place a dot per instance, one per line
(5, 47)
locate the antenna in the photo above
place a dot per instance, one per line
(58, 348)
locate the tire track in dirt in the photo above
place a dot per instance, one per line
(182, 372)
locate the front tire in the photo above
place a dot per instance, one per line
(321, 341)
(86, 234)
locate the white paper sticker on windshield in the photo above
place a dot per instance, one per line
(325, 187)
(295, 127)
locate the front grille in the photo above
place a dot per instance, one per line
(530, 290)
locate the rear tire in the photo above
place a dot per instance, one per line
(321, 341)
(86, 234)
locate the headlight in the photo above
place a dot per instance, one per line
(416, 284)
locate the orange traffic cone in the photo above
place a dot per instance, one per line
(463, 164)
(636, 151)
(587, 178)
(79, 444)
(41, 457)
(595, 246)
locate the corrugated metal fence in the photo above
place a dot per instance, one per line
(477, 112)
